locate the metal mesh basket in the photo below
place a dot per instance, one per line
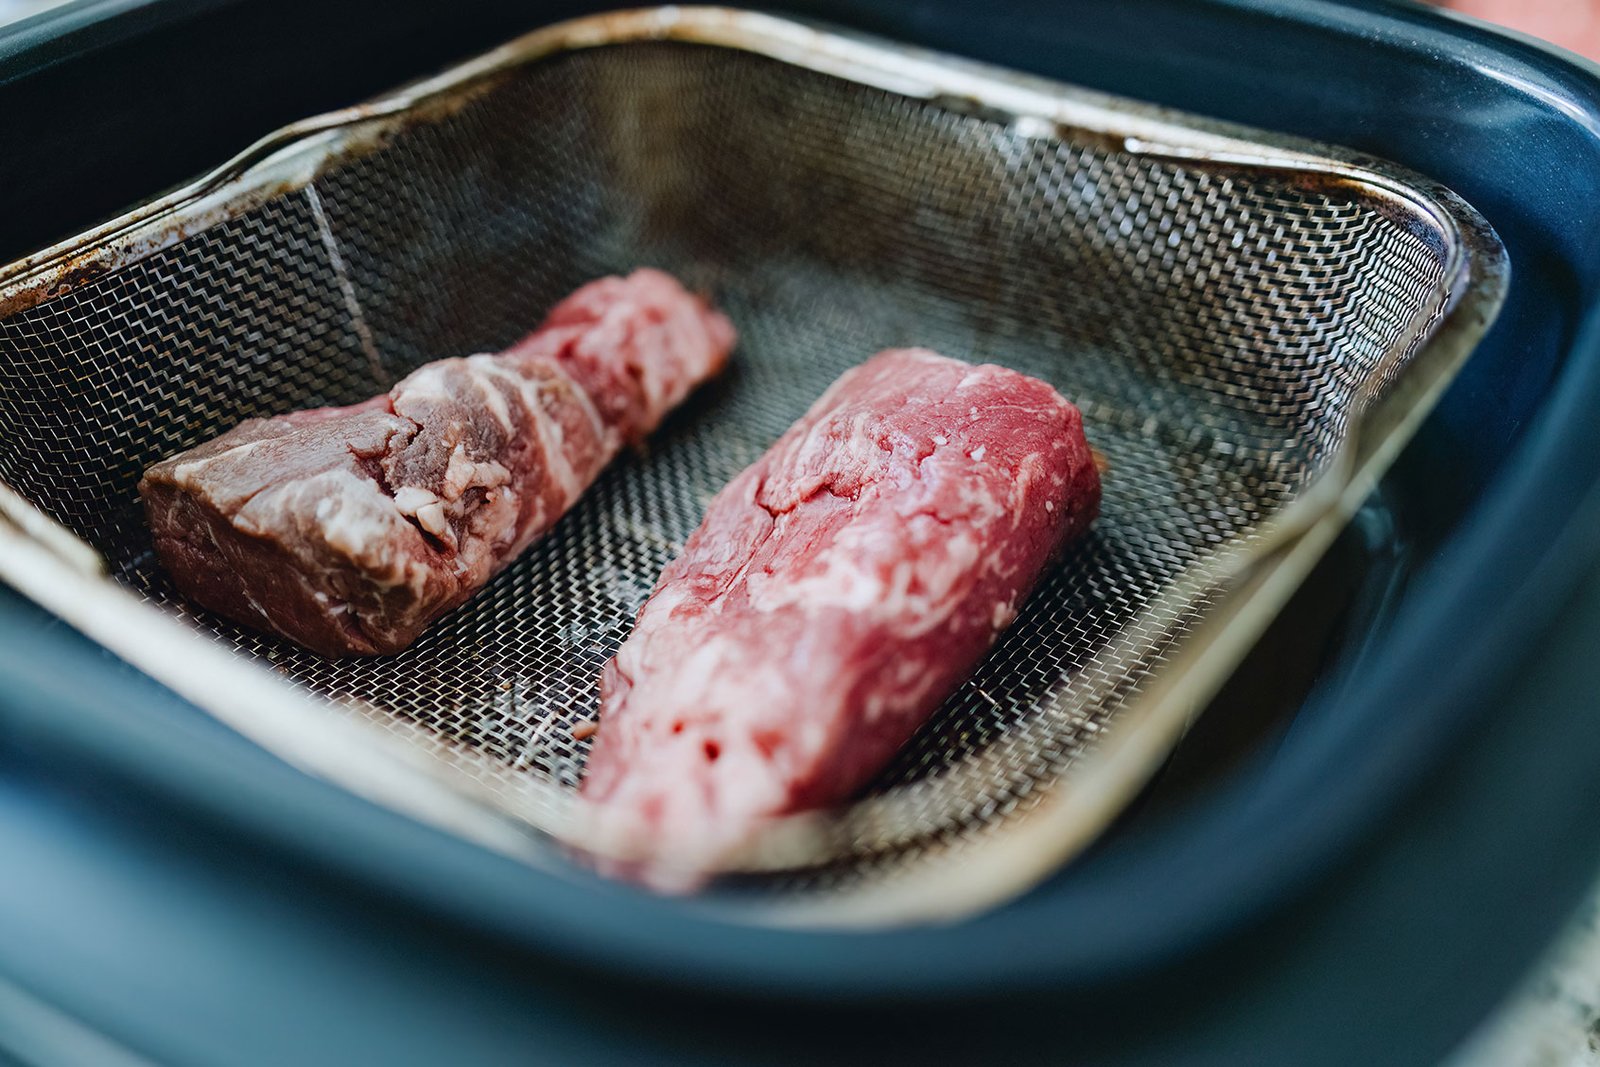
(1251, 327)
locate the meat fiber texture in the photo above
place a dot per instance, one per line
(836, 593)
(349, 530)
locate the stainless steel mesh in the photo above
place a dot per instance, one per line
(1218, 323)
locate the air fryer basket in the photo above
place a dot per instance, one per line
(1251, 326)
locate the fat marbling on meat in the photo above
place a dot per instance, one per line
(349, 530)
(836, 593)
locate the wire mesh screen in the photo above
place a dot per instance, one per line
(1218, 325)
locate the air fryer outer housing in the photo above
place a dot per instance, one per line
(1362, 889)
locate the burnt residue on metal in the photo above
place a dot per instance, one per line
(1098, 139)
(90, 263)
(71, 273)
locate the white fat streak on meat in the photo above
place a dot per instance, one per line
(209, 533)
(485, 367)
(189, 475)
(537, 400)
(916, 594)
(610, 440)
(351, 515)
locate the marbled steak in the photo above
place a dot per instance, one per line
(349, 530)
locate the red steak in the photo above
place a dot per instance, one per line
(835, 594)
(350, 529)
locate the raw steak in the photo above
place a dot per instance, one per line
(835, 594)
(350, 529)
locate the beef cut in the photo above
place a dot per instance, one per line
(349, 530)
(835, 594)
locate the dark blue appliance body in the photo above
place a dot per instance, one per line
(1358, 885)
